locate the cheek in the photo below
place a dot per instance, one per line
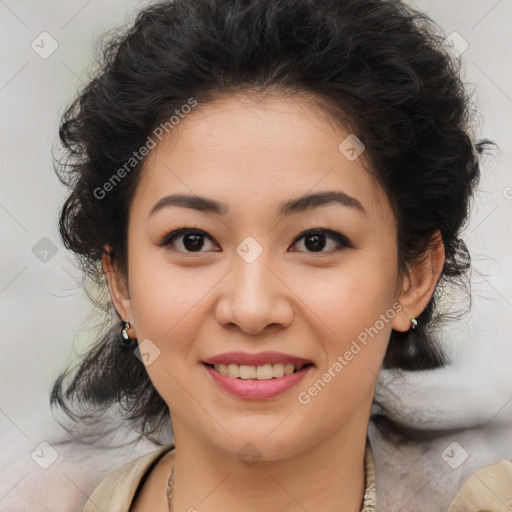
(355, 306)
(352, 295)
(355, 309)
(167, 302)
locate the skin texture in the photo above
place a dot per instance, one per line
(194, 305)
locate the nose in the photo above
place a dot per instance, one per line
(254, 297)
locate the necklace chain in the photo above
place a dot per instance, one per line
(169, 486)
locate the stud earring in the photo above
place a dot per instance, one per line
(414, 323)
(125, 338)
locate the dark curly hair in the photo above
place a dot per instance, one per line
(376, 66)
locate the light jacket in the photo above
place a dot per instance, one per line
(487, 490)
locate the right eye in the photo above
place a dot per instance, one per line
(190, 240)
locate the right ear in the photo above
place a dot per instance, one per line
(117, 285)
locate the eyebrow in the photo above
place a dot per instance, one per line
(287, 208)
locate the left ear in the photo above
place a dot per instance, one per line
(419, 284)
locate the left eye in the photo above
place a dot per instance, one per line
(192, 240)
(315, 239)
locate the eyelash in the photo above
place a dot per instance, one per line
(342, 241)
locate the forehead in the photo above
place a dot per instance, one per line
(254, 154)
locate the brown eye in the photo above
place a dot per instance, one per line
(316, 240)
(189, 240)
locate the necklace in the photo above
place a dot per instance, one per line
(370, 494)
(169, 486)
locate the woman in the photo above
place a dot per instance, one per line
(273, 192)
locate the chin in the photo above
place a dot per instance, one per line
(250, 448)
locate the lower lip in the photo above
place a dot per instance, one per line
(257, 389)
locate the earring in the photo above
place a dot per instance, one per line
(124, 337)
(414, 323)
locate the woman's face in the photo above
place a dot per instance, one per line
(251, 282)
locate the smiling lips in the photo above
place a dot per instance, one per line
(262, 366)
(257, 376)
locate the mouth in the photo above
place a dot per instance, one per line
(263, 376)
(261, 372)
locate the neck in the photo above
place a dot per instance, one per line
(326, 476)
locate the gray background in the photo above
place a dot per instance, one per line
(44, 313)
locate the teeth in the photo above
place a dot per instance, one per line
(264, 372)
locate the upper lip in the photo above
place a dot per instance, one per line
(258, 359)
